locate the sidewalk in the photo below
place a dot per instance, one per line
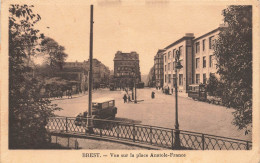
(180, 94)
(66, 97)
(87, 143)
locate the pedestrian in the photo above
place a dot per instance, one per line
(67, 93)
(125, 98)
(129, 99)
(70, 93)
(152, 95)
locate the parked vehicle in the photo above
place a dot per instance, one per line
(197, 91)
(112, 86)
(103, 108)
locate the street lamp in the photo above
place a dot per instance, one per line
(177, 132)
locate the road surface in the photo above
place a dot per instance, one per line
(193, 115)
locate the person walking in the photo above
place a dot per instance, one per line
(153, 95)
(129, 99)
(125, 98)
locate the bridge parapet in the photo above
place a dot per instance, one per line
(145, 134)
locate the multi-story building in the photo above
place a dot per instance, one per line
(158, 68)
(184, 45)
(126, 69)
(101, 72)
(203, 59)
(196, 57)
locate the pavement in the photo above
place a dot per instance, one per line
(66, 97)
(88, 143)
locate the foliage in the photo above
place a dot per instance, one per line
(28, 112)
(233, 52)
(56, 55)
(214, 87)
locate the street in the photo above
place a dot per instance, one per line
(194, 116)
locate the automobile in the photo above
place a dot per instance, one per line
(102, 108)
(112, 86)
(197, 91)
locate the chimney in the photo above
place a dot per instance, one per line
(189, 34)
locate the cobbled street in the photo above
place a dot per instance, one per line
(193, 115)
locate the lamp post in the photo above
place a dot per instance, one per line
(177, 132)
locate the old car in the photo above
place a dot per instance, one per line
(103, 108)
(198, 92)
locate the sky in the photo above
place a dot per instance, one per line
(143, 28)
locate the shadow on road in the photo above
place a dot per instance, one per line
(127, 120)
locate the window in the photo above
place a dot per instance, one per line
(180, 79)
(173, 65)
(197, 63)
(204, 62)
(169, 78)
(165, 68)
(204, 79)
(203, 44)
(111, 103)
(210, 61)
(211, 74)
(164, 57)
(181, 51)
(169, 54)
(165, 78)
(173, 53)
(211, 42)
(197, 78)
(169, 66)
(197, 48)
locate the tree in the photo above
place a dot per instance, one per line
(233, 51)
(28, 112)
(214, 86)
(55, 53)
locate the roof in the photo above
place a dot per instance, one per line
(126, 56)
(213, 31)
(101, 100)
(180, 40)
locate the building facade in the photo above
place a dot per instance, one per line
(158, 68)
(203, 59)
(196, 57)
(100, 73)
(126, 69)
(184, 45)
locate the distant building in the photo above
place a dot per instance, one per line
(76, 77)
(126, 69)
(158, 68)
(151, 77)
(101, 72)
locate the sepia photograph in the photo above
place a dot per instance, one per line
(121, 75)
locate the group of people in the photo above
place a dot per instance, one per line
(127, 98)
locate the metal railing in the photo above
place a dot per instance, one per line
(145, 134)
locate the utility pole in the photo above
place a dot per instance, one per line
(89, 116)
